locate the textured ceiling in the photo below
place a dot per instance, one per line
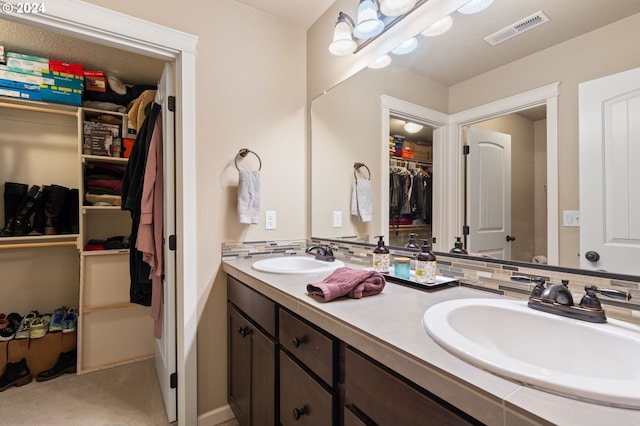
(131, 68)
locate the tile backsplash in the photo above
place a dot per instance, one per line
(480, 274)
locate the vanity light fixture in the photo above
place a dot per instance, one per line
(406, 47)
(412, 127)
(439, 28)
(396, 7)
(381, 62)
(343, 43)
(369, 23)
(475, 6)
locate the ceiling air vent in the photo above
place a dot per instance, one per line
(517, 28)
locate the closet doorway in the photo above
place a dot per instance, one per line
(107, 28)
(410, 181)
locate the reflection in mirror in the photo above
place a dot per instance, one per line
(458, 72)
(507, 220)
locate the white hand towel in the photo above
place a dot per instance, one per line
(249, 196)
(361, 203)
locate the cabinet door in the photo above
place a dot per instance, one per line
(303, 400)
(251, 371)
(388, 400)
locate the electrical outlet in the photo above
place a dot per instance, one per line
(337, 219)
(270, 219)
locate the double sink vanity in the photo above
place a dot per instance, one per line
(456, 355)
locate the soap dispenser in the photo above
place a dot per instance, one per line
(412, 242)
(381, 256)
(426, 265)
(458, 247)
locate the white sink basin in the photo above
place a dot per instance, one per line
(594, 362)
(296, 265)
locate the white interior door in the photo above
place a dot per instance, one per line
(489, 192)
(609, 173)
(165, 350)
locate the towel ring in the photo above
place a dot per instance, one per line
(243, 153)
(356, 166)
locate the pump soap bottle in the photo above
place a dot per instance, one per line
(458, 248)
(381, 256)
(426, 265)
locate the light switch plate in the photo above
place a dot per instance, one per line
(270, 219)
(337, 219)
(571, 218)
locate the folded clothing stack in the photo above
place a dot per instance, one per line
(111, 243)
(103, 184)
(353, 283)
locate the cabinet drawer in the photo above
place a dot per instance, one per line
(386, 399)
(312, 347)
(259, 308)
(303, 401)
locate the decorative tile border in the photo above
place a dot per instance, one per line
(480, 274)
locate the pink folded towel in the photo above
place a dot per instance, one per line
(354, 283)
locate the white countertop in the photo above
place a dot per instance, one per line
(388, 327)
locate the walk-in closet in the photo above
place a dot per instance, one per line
(82, 265)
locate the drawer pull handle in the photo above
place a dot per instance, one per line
(297, 413)
(297, 341)
(243, 331)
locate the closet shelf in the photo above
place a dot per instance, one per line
(88, 208)
(38, 241)
(103, 252)
(103, 159)
(38, 106)
(102, 308)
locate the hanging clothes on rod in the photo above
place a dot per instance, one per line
(410, 192)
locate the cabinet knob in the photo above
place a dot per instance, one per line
(243, 331)
(297, 413)
(297, 341)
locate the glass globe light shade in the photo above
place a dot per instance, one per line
(439, 28)
(396, 7)
(406, 47)
(343, 44)
(475, 6)
(381, 62)
(368, 24)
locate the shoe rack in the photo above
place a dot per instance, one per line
(46, 141)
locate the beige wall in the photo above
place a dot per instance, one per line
(250, 94)
(346, 129)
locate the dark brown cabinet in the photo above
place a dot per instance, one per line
(251, 389)
(285, 371)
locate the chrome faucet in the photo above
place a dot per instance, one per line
(322, 252)
(557, 299)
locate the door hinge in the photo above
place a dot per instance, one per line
(172, 242)
(171, 103)
(465, 150)
(465, 230)
(173, 380)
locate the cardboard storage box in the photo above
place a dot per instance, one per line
(32, 95)
(66, 67)
(41, 354)
(61, 79)
(27, 64)
(101, 139)
(61, 95)
(421, 152)
(18, 80)
(95, 81)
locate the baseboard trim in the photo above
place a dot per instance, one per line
(215, 417)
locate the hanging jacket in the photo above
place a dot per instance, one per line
(132, 182)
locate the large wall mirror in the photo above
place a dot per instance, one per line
(445, 79)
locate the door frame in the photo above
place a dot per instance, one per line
(103, 26)
(545, 95)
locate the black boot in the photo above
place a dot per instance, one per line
(39, 217)
(16, 374)
(14, 193)
(53, 208)
(20, 225)
(69, 220)
(66, 364)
